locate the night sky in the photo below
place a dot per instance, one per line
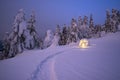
(49, 13)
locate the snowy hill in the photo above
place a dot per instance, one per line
(98, 62)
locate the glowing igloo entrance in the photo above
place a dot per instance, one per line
(83, 43)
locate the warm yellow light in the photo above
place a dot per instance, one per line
(83, 43)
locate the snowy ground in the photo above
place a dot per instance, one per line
(101, 61)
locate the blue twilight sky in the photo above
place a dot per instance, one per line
(52, 12)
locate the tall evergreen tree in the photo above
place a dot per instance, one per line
(16, 37)
(63, 38)
(91, 26)
(80, 22)
(30, 32)
(56, 39)
(85, 28)
(74, 30)
(114, 20)
(48, 39)
(108, 21)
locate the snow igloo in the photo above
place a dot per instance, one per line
(84, 43)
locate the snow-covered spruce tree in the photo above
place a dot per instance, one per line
(85, 28)
(2, 50)
(58, 30)
(38, 43)
(118, 14)
(74, 30)
(56, 39)
(6, 44)
(14, 45)
(16, 37)
(48, 39)
(69, 37)
(98, 31)
(32, 38)
(80, 23)
(29, 41)
(114, 21)
(108, 21)
(64, 36)
(91, 26)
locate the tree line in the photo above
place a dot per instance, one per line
(24, 35)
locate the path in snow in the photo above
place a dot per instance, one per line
(41, 74)
(52, 70)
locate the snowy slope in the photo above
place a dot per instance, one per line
(98, 62)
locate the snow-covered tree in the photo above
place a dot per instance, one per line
(15, 40)
(97, 30)
(118, 15)
(6, 43)
(30, 33)
(91, 26)
(58, 30)
(85, 20)
(48, 39)
(69, 37)
(63, 38)
(31, 22)
(18, 28)
(79, 21)
(114, 15)
(2, 54)
(74, 30)
(108, 21)
(29, 40)
(85, 28)
(32, 39)
(114, 20)
(19, 22)
(73, 23)
(13, 44)
(56, 38)
(91, 23)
